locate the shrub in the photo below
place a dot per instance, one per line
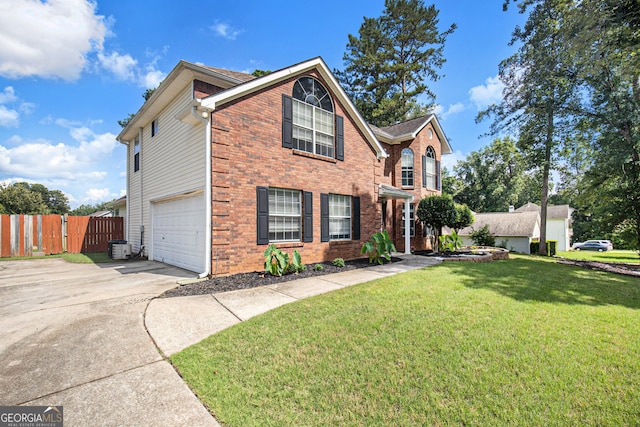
(534, 247)
(318, 267)
(379, 247)
(338, 262)
(483, 237)
(278, 263)
(450, 243)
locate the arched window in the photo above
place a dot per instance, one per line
(313, 120)
(407, 167)
(430, 168)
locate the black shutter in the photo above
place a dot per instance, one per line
(438, 175)
(262, 203)
(324, 217)
(424, 171)
(356, 218)
(339, 138)
(308, 216)
(287, 121)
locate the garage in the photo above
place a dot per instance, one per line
(179, 228)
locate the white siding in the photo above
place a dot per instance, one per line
(513, 244)
(171, 163)
(558, 229)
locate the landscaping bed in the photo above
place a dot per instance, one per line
(261, 278)
(618, 268)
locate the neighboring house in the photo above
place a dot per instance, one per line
(514, 230)
(102, 214)
(119, 208)
(559, 223)
(221, 164)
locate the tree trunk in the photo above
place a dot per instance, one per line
(546, 167)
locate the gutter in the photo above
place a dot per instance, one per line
(207, 186)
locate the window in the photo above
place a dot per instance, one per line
(154, 128)
(136, 154)
(285, 215)
(313, 119)
(430, 168)
(339, 217)
(407, 167)
(412, 220)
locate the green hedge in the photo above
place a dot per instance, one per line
(552, 246)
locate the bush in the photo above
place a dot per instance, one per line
(338, 262)
(278, 263)
(318, 267)
(483, 237)
(552, 245)
(379, 247)
(450, 243)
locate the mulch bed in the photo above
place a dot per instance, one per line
(624, 269)
(252, 280)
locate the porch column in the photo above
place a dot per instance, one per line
(407, 226)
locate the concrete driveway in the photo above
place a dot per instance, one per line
(74, 335)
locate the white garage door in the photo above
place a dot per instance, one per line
(179, 233)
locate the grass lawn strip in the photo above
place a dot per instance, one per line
(519, 342)
(609, 256)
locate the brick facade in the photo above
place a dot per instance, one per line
(247, 152)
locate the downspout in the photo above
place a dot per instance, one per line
(207, 187)
(126, 229)
(141, 170)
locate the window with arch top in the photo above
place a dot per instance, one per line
(429, 165)
(407, 167)
(309, 121)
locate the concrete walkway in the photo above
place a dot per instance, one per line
(176, 323)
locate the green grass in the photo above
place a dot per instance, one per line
(609, 256)
(524, 341)
(90, 258)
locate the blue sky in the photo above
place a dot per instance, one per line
(69, 69)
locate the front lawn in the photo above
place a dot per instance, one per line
(517, 342)
(609, 256)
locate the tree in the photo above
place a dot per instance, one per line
(260, 73)
(85, 210)
(387, 64)
(437, 212)
(494, 178)
(146, 95)
(606, 51)
(464, 217)
(56, 201)
(19, 199)
(540, 90)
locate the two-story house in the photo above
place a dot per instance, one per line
(220, 164)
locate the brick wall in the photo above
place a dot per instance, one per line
(247, 152)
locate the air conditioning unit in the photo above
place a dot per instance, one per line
(121, 251)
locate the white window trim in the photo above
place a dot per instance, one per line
(341, 217)
(314, 131)
(280, 215)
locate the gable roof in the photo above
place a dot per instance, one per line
(410, 129)
(254, 85)
(515, 224)
(553, 211)
(182, 75)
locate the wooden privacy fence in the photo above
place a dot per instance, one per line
(27, 235)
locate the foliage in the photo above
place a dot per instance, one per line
(318, 267)
(88, 209)
(278, 263)
(450, 242)
(464, 217)
(534, 247)
(146, 95)
(260, 73)
(338, 262)
(483, 236)
(379, 247)
(437, 212)
(387, 63)
(32, 199)
(494, 178)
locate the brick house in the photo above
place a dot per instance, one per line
(220, 164)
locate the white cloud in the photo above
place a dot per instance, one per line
(122, 66)
(442, 112)
(225, 30)
(49, 39)
(99, 194)
(125, 67)
(41, 159)
(9, 118)
(488, 93)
